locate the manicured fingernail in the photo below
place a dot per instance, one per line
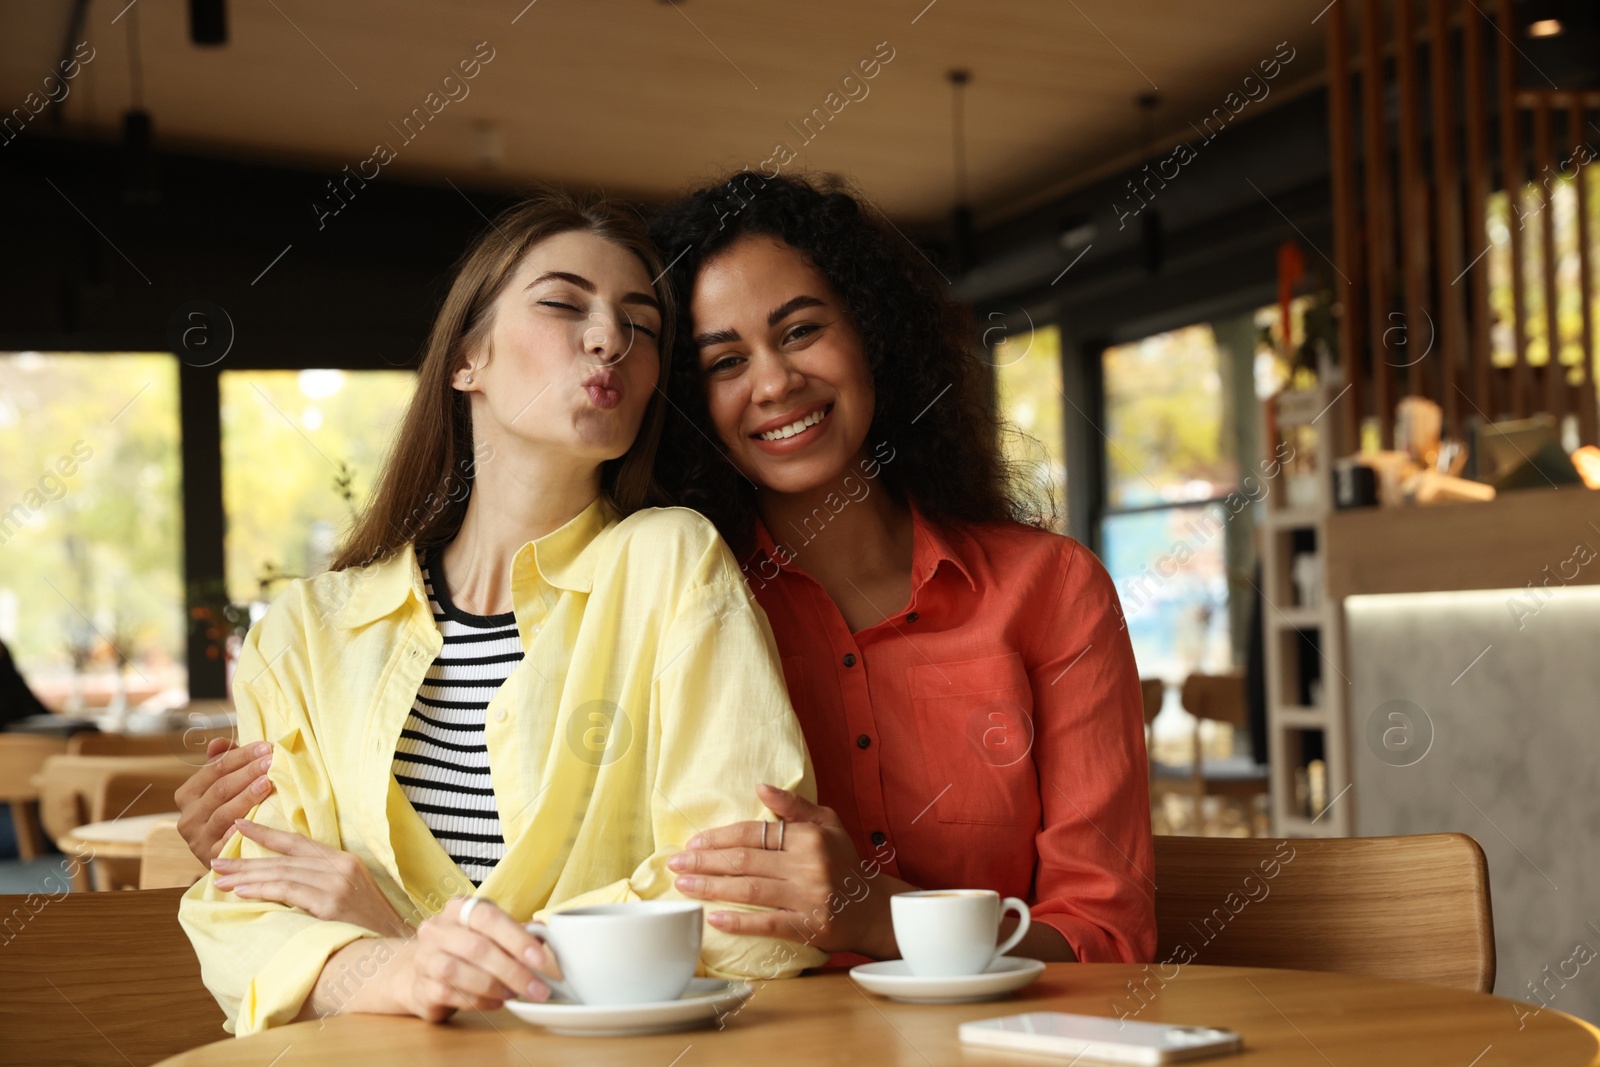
(261, 748)
(240, 824)
(220, 864)
(718, 918)
(537, 990)
(678, 861)
(697, 842)
(265, 762)
(533, 954)
(261, 785)
(688, 884)
(224, 883)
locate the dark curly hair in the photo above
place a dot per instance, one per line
(933, 402)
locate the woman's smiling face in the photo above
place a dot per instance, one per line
(787, 383)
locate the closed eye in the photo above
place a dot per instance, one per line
(647, 331)
(558, 304)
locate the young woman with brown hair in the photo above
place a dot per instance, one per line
(516, 682)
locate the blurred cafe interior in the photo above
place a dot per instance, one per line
(1290, 311)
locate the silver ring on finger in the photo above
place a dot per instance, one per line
(464, 916)
(781, 825)
(763, 834)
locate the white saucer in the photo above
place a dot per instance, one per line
(893, 979)
(701, 1003)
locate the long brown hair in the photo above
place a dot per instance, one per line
(423, 490)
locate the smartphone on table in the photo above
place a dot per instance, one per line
(1098, 1039)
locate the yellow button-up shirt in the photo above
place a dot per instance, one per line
(647, 707)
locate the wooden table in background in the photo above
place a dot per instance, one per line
(1285, 1017)
(107, 843)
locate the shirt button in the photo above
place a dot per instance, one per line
(912, 617)
(878, 837)
(499, 714)
(863, 741)
(849, 659)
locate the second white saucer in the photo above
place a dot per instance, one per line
(893, 979)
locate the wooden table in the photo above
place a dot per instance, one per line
(1285, 1017)
(112, 840)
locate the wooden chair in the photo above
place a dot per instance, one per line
(126, 796)
(100, 980)
(167, 861)
(184, 743)
(1411, 908)
(69, 785)
(1154, 691)
(22, 756)
(1214, 698)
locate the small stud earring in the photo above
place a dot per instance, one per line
(469, 379)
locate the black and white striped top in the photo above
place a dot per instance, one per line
(442, 760)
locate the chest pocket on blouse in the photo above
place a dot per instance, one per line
(975, 722)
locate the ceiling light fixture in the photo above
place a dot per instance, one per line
(961, 228)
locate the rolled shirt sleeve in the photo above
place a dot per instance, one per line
(1096, 860)
(261, 959)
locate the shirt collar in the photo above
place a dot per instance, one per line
(565, 558)
(931, 545)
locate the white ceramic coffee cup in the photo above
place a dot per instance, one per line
(640, 952)
(946, 932)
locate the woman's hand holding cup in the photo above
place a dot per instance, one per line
(472, 958)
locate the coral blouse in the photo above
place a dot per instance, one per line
(990, 734)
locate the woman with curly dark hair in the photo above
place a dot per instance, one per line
(966, 686)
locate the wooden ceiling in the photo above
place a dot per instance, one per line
(644, 96)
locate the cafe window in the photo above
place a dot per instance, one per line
(1028, 393)
(1528, 217)
(1170, 460)
(91, 534)
(301, 452)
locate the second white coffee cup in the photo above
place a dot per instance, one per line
(946, 932)
(639, 952)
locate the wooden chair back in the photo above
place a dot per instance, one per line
(1217, 697)
(1410, 908)
(1154, 691)
(100, 980)
(167, 861)
(188, 743)
(69, 785)
(121, 794)
(22, 757)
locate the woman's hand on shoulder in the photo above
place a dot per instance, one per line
(232, 782)
(815, 885)
(311, 876)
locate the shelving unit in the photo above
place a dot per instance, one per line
(1307, 692)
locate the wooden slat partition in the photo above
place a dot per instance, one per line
(1555, 390)
(1377, 230)
(1346, 241)
(1413, 206)
(1512, 178)
(1587, 415)
(1482, 378)
(1411, 191)
(1452, 319)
